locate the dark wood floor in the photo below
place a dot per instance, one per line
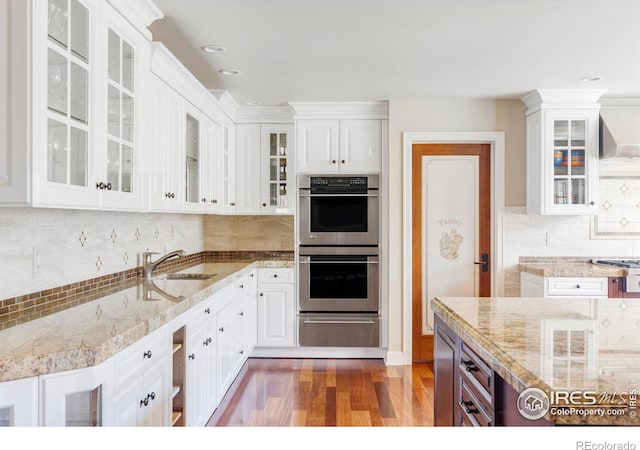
(328, 392)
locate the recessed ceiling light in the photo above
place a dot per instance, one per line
(253, 103)
(590, 79)
(213, 48)
(230, 72)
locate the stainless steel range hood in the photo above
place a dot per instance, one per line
(620, 129)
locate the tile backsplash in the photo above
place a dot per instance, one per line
(45, 248)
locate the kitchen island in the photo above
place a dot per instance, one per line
(536, 361)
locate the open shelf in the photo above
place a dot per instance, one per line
(178, 378)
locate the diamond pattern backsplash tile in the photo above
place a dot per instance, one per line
(78, 245)
(619, 215)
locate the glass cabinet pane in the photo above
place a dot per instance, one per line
(577, 162)
(127, 118)
(113, 165)
(84, 409)
(561, 133)
(79, 30)
(273, 144)
(578, 133)
(283, 144)
(114, 57)
(58, 21)
(192, 156)
(578, 191)
(127, 66)
(56, 151)
(79, 93)
(113, 113)
(561, 191)
(78, 157)
(57, 82)
(127, 168)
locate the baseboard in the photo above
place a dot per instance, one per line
(394, 359)
(317, 352)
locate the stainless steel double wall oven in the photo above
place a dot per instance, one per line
(338, 234)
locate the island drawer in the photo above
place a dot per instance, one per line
(475, 370)
(578, 287)
(275, 275)
(472, 410)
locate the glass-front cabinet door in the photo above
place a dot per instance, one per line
(276, 164)
(19, 403)
(571, 158)
(67, 85)
(569, 176)
(192, 163)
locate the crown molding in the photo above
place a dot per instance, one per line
(264, 114)
(340, 110)
(562, 99)
(140, 13)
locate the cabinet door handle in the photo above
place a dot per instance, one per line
(153, 395)
(214, 201)
(204, 200)
(343, 161)
(207, 311)
(241, 314)
(241, 352)
(251, 275)
(232, 204)
(192, 356)
(144, 402)
(146, 354)
(468, 407)
(221, 329)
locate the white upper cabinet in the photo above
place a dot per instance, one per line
(78, 142)
(340, 137)
(562, 152)
(263, 162)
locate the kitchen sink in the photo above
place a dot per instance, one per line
(189, 276)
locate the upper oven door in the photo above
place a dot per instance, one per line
(340, 217)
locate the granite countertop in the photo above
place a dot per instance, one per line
(570, 269)
(91, 333)
(555, 344)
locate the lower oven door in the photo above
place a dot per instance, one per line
(339, 330)
(335, 281)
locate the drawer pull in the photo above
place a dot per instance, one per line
(472, 369)
(468, 407)
(470, 366)
(146, 354)
(221, 329)
(144, 402)
(192, 356)
(207, 311)
(241, 314)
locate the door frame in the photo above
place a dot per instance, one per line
(496, 140)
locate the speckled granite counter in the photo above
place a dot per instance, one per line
(555, 344)
(570, 269)
(92, 332)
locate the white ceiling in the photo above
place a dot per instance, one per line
(366, 50)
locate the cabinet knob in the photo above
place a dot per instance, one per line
(221, 329)
(578, 286)
(333, 161)
(192, 356)
(275, 275)
(261, 294)
(343, 161)
(153, 395)
(241, 352)
(241, 314)
(144, 402)
(204, 200)
(146, 354)
(264, 204)
(251, 275)
(592, 203)
(241, 286)
(102, 186)
(207, 311)
(614, 281)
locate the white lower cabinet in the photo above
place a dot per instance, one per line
(19, 403)
(77, 397)
(201, 395)
(276, 308)
(142, 385)
(538, 286)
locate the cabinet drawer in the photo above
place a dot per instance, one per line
(137, 358)
(476, 371)
(471, 410)
(578, 287)
(275, 275)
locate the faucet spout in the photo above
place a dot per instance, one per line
(149, 266)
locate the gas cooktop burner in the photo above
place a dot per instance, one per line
(624, 263)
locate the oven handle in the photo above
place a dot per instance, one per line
(303, 194)
(338, 262)
(339, 322)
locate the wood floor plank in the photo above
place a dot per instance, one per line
(328, 392)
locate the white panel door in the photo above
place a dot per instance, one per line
(276, 316)
(317, 146)
(450, 229)
(359, 146)
(19, 403)
(248, 169)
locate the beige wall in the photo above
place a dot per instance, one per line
(453, 116)
(260, 233)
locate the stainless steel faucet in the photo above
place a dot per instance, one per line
(148, 266)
